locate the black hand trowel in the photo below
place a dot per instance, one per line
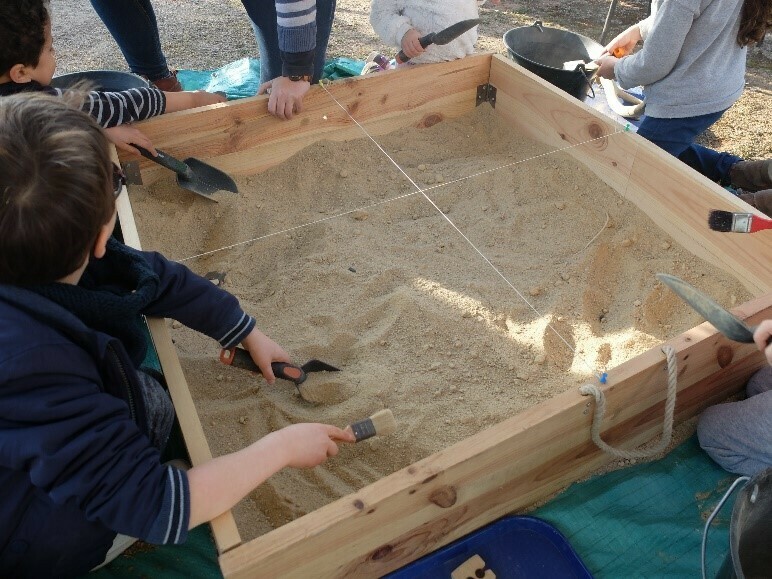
(442, 37)
(725, 322)
(193, 174)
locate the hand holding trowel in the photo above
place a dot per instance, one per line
(725, 322)
(241, 358)
(442, 37)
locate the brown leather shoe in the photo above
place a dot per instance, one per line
(752, 175)
(761, 200)
(169, 83)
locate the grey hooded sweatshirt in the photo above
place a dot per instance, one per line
(690, 63)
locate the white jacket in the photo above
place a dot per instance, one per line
(391, 19)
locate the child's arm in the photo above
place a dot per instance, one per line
(219, 484)
(388, 22)
(179, 101)
(123, 136)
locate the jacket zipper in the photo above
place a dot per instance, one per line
(132, 408)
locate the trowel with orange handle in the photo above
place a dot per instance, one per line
(445, 36)
(241, 358)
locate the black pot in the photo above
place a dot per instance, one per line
(543, 50)
(106, 80)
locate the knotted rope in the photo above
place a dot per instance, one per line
(667, 428)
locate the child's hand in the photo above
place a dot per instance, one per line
(624, 43)
(285, 96)
(411, 45)
(202, 98)
(307, 445)
(606, 66)
(264, 351)
(124, 135)
(190, 99)
(761, 336)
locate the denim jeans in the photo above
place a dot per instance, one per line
(262, 13)
(738, 435)
(676, 136)
(133, 25)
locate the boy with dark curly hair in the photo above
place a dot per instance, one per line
(82, 423)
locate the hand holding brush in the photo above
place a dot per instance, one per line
(379, 424)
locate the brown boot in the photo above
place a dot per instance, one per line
(170, 83)
(761, 200)
(752, 175)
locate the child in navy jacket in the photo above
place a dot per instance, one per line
(82, 426)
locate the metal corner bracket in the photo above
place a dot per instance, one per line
(486, 93)
(131, 170)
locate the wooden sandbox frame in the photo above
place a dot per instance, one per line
(528, 457)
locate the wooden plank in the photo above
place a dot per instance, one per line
(502, 469)
(224, 528)
(242, 138)
(659, 184)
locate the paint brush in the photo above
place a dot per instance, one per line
(381, 423)
(735, 222)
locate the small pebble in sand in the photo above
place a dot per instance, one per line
(343, 173)
(361, 215)
(243, 419)
(560, 205)
(626, 242)
(637, 303)
(540, 359)
(176, 325)
(534, 291)
(666, 245)
(219, 377)
(422, 167)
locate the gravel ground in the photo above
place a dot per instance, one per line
(206, 34)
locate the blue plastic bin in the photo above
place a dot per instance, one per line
(512, 548)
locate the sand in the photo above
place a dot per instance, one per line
(339, 258)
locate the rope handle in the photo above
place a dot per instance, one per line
(667, 426)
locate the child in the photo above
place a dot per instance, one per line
(82, 425)
(738, 435)
(401, 24)
(27, 63)
(692, 67)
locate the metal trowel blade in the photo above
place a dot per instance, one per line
(724, 321)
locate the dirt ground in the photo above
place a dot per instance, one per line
(206, 34)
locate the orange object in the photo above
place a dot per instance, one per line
(619, 52)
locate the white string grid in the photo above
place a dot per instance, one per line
(601, 376)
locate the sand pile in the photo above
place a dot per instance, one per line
(350, 265)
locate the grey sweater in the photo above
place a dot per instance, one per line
(690, 63)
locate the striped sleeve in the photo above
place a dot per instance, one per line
(296, 23)
(171, 524)
(111, 109)
(237, 332)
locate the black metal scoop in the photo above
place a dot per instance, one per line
(193, 174)
(725, 322)
(445, 36)
(240, 358)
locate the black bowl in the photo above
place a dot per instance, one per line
(543, 50)
(106, 80)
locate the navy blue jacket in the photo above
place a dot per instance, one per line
(76, 466)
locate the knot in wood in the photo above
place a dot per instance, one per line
(444, 497)
(381, 552)
(724, 356)
(431, 120)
